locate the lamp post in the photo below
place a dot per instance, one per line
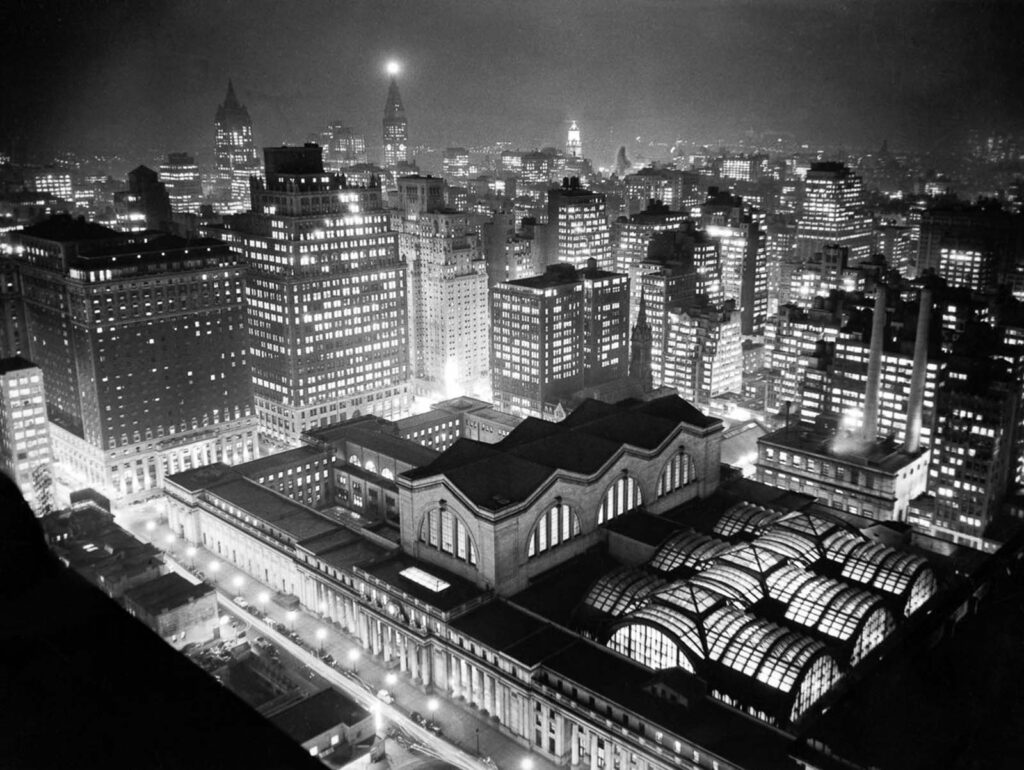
(390, 680)
(238, 581)
(321, 634)
(170, 539)
(214, 566)
(432, 705)
(191, 553)
(527, 763)
(478, 741)
(353, 658)
(263, 598)
(290, 617)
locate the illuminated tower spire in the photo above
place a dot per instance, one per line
(234, 153)
(396, 136)
(573, 144)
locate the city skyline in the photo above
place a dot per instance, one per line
(919, 74)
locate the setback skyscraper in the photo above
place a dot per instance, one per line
(234, 153)
(396, 127)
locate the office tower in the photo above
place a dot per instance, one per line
(537, 167)
(792, 337)
(455, 164)
(632, 236)
(142, 341)
(680, 272)
(342, 147)
(447, 292)
(605, 324)
(25, 453)
(146, 204)
(511, 162)
(51, 182)
(679, 190)
(573, 142)
(537, 341)
(704, 352)
(234, 153)
(740, 232)
(983, 244)
(972, 448)
(967, 262)
(897, 244)
(782, 261)
(326, 295)
(830, 270)
(833, 212)
(180, 175)
(579, 226)
(510, 254)
(396, 128)
(742, 168)
(13, 335)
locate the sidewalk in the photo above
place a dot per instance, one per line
(462, 726)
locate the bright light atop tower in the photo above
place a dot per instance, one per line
(393, 67)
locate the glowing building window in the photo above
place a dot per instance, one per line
(445, 531)
(622, 496)
(678, 473)
(556, 526)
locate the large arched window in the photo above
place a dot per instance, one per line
(558, 525)
(354, 460)
(371, 466)
(443, 530)
(679, 472)
(623, 495)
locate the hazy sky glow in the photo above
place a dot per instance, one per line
(133, 75)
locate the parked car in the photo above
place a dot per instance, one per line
(272, 623)
(241, 602)
(417, 717)
(385, 696)
(433, 726)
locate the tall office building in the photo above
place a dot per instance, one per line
(679, 190)
(740, 231)
(983, 245)
(555, 333)
(326, 297)
(704, 352)
(447, 291)
(455, 164)
(396, 128)
(234, 153)
(142, 341)
(573, 142)
(342, 147)
(632, 236)
(537, 341)
(25, 453)
(145, 205)
(792, 337)
(579, 226)
(834, 212)
(180, 175)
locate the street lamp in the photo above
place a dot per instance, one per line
(527, 763)
(238, 581)
(170, 539)
(390, 680)
(478, 741)
(263, 598)
(321, 634)
(191, 553)
(432, 705)
(150, 526)
(214, 566)
(290, 617)
(353, 658)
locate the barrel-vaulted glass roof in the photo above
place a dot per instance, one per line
(687, 549)
(745, 518)
(880, 567)
(621, 590)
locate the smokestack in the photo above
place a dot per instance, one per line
(915, 401)
(869, 431)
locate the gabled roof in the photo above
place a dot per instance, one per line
(496, 475)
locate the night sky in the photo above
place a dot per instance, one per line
(134, 76)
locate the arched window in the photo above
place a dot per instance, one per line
(623, 495)
(354, 460)
(388, 474)
(679, 472)
(371, 466)
(558, 525)
(443, 530)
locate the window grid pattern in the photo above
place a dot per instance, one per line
(745, 519)
(622, 496)
(556, 526)
(881, 568)
(445, 531)
(621, 590)
(687, 549)
(679, 471)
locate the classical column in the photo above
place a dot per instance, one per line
(488, 692)
(427, 664)
(593, 750)
(574, 743)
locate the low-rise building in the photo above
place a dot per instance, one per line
(180, 611)
(327, 723)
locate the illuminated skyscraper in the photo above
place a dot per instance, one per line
(579, 225)
(740, 231)
(180, 175)
(396, 129)
(632, 236)
(326, 296)
(342, 147)
(703, 353)
(142, 341)
(448, 304)
(573, 143)
(24, 431)
(834, 212)
(234, 153)
(455, 164)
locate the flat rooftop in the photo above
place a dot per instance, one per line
(507, 629)
(455, 593)
(278, 511)
(317, 714)
(279, 461)
(884, 455)
(166, 593)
